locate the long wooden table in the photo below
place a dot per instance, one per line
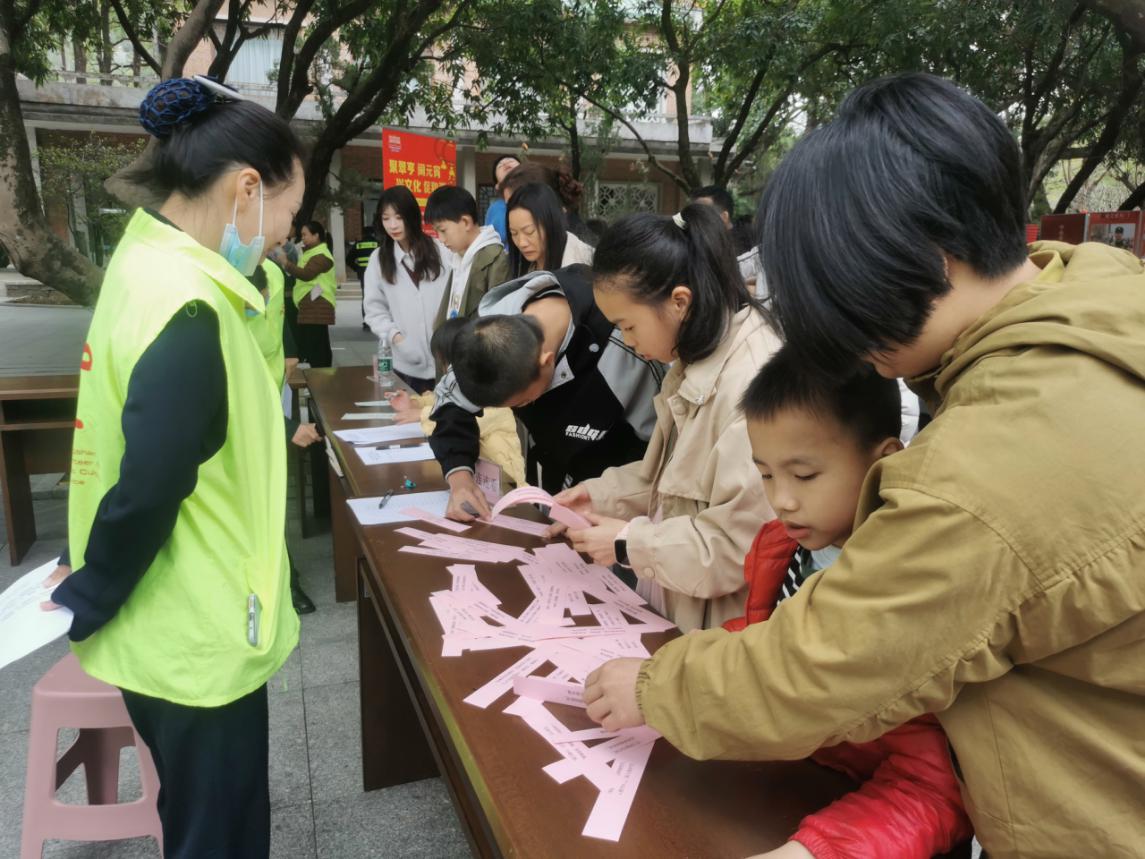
(333, 392)
(37, 421)
(415, 724)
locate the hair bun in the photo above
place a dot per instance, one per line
(171, 103)
(570, 189)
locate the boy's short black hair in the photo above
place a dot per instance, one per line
(496, 357)
(722, 197)
(863, 402)
(450, 203)
(441, 343)
(857, 220)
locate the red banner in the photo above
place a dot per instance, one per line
(1064, 228)
(421, 163)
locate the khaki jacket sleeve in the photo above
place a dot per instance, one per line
(702, 555)
(623, 491)
(922, 601)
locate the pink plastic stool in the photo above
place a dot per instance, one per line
(66, 697)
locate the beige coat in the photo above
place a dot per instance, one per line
(698, 473)
(996, 578)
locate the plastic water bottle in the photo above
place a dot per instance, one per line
(384, 364)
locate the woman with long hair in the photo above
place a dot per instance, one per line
(539, 240)
(404, 284)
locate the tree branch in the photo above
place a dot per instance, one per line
(1131, 83)
(298, 84)
(132, 36)
(188, 36)
(20, 24)
(650, 155)
(1128, 16)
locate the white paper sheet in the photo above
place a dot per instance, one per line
(24, 626)
(365, 404)
(385, 456)
(368, 416)
(378, 435)
(368, 512)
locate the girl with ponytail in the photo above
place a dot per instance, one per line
(683, 518)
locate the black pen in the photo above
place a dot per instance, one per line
(385, 499)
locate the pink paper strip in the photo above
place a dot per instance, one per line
(434, 519)
(503, 682)
(513, 523)
(552, 691)
(610, 812)
(532, 495)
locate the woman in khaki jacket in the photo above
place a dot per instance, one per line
(683, 518)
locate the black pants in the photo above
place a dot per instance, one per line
(214, 795)
(420, 386)
(314, 345)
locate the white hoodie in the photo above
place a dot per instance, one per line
(462, 263)
(404, 308)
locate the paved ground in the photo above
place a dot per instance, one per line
(319, 810)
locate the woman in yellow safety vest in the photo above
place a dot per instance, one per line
(314, 279)
(177, 502)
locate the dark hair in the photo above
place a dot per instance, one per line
(427, 260)
(857, 218)
(722, 197)
(496, 357)
(863, 403)
(441, 343)
(567, 189)
(497, 163)
(542, 203)
(201, 136)
(648, 255)
(450, 203)
(317, 229)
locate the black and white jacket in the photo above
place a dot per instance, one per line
(596, 413)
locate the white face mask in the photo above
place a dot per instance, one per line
(244, 257)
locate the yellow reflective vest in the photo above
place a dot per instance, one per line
(328, 280)
(211, 619)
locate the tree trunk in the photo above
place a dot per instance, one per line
(188, 36)
(1128, 15)
(1131, 82)
(35, 250)
(317, 169)
(175, 55)
(79, 54)
(574, 148)
(106, 50)
(1134, 200)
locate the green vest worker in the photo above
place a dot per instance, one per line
(273, 339)
(314, 271)
(177, 502)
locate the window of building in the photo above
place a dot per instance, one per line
(613, 199)
(257, 60)
(486, 194)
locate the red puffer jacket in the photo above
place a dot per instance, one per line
(909, 805)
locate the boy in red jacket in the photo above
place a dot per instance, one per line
(813, 440)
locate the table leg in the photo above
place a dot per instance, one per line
(19, 516)
(394, 747)
(346, 550)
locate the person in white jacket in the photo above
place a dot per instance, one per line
(404, 284)
(538, 238)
